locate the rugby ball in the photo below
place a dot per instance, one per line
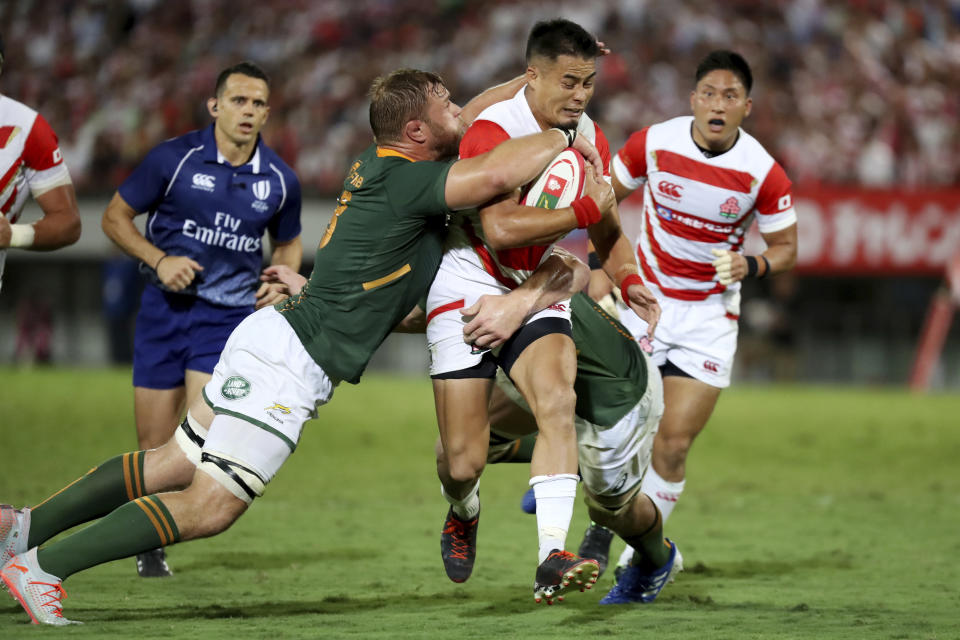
(560, 183)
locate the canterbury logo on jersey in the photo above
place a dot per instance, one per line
(203, 181)
(670, 189)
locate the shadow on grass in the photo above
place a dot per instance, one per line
(751, 568)
(264, 560)
(333, 605)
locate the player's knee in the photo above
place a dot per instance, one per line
(553, 404)
(464, 468)
(673, 447)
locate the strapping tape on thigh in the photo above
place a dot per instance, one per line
(240, 481)
(190, 435)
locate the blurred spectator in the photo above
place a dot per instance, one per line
(852, 92)
(34, 332)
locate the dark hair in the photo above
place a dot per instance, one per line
(245, 68)
(559, 37)
(1, 51)
(728, 61)
(397, 98)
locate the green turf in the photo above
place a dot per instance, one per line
(809, 513)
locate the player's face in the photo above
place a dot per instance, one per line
(444, 124)
(241, 109)
(559, 90)
(719, 103)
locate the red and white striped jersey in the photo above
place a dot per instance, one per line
(30, 159)
(467, 252)
(692, 204)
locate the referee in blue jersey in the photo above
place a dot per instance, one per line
(209, 196)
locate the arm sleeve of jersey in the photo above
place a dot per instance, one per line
(630, 163)
(482, 136)
(419, 189)
(44, 161)
(285, 223)
(775, 202)
(148, 183)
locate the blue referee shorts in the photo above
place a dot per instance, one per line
(177, 332)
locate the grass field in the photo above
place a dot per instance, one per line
(808, 513)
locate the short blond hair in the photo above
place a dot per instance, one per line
(397, 98)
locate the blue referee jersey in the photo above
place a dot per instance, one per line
(202, 207)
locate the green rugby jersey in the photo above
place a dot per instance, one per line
(377, 258)
(611, 369)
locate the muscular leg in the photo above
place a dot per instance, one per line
(155, 410)
(464, 434)
(113, 483)
(641, 526)
(688, 404)
(544, 373)
(203, 509)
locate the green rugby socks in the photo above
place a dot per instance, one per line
(103, 489)
(137, 526)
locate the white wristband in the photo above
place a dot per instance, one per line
(21, 235)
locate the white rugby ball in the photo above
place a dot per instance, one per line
(560, 183)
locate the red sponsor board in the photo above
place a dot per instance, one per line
(862, 232)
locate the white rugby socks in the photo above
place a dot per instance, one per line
(555, 495)
(664, 494)
(467, 508)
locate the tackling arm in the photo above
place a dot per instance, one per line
(490, 96)
(508, 166)
(285, 254)
(493, 319)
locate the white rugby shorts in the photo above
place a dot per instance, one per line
(698, 337)
(450, 293)
(614, 459)
(270, 385)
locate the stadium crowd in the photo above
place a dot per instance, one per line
(852, 91)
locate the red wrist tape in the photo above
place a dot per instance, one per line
(586, 210)
(633, 278)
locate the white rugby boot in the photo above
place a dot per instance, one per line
(14, 527)
(38, 592)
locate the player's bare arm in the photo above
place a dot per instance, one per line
(779, 256)
(284, 278)
(511, 164)
(288, 254)
(176, 272)
(493, 319)
(491, 96)
(618, 261)
(59, 226)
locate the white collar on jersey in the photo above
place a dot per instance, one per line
(254, 161)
